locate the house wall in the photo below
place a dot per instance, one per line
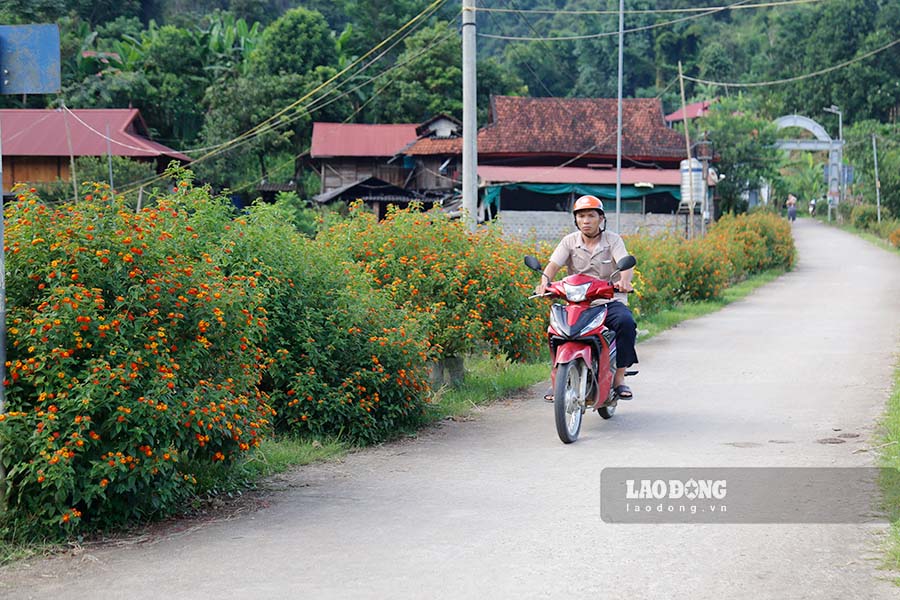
(33, 169)
(338, 172)
(550, 226)
(428, 176)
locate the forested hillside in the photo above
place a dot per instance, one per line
(205, 72)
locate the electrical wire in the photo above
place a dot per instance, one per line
(378, 92)
(28, 128)
(799, 77)
(299, 113)
(575, 82)
(547, 89)
(651, 11)
(265, 125)
(261, 126)
(565, 38)
(102, 135)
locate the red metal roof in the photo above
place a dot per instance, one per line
(489, 174)
(354, 139)
(48, 132)
(697, 109)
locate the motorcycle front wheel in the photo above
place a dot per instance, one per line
(568, 399)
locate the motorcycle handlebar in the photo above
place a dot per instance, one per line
(546, 294)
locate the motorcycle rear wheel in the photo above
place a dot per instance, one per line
(568, 399)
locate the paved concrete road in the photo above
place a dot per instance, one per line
(498, 508)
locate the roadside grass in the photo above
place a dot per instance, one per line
(487, 379)
(864, 234)
(874, 239)
(890, 475)
(889, 458)
(12, 552)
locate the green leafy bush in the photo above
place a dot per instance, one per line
(342, 360)
(864, 216)
(132, 354)
(465, 289)
(671, 269)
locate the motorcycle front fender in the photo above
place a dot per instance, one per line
(570, 351)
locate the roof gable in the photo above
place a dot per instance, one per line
(354, 139)
(48, 132)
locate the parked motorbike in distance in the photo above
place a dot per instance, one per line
(582, 348)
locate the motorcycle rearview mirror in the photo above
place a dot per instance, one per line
(533, 263)
(626, 263)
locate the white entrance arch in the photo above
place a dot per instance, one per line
(823, 141)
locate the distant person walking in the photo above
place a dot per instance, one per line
(791, 207)
(812, 207)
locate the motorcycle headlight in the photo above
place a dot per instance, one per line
(593, 324)
(576, 293)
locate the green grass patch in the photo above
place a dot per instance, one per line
(487, 379)
(666, 319)
(890, 477)
(864, 234)
(278, 455)
(11, 552)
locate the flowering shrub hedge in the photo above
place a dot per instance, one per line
(341, 359)
(131, 354)
(464, 288)
(145, 346)
(672, 269)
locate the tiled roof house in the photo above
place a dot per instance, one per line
(536, 155)
(539, 154)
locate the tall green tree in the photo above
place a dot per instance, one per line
(744, 149)
(821, 35)
(296, 54)
(428, 80)
(859, 153)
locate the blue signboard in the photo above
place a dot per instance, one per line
(29, 59)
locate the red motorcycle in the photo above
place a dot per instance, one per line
(583, 350)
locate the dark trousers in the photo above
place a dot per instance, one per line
(620, 320)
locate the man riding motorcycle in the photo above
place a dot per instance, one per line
(594, 251)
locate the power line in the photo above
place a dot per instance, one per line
(799, 77)
(642, 12)
(612, 33)
(265, 126)
(259, 128)
(102, 135)
(299, 113)
(379, 91)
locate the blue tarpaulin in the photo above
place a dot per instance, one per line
(492, 192)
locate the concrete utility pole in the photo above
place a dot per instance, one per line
(619, 121)
(833, 109)
(687, 140)
(470, 129)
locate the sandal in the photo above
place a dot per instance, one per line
(623, 392)
(548, 397)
